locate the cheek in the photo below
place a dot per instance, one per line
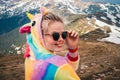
(49, 41)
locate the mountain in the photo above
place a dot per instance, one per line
(105, 1)
(10, 41)
(12, 12)
(76, 13)
(109, 13)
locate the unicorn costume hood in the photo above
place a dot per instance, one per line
(34, 35)
(41, 64)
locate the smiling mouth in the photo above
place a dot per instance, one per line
(59, 45)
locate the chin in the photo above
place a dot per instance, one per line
(58, 49)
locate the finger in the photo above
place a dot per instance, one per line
(73, 32)
(76, 34)
(70, 31)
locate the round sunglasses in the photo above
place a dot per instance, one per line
(56, 35)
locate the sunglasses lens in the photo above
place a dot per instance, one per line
(64, 35)
(55, 36)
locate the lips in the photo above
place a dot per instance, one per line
(59, 45)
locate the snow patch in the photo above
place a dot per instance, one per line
(114, 34)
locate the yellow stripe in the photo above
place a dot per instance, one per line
(28, 68)
(29, 15)
(36, 38)
(66, 72)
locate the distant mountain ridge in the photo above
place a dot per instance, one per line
(16, 7)
(105, 1)
(12, 12)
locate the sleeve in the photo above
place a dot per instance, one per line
(73, 59)
(66, 72)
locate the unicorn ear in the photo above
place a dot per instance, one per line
(29, 15)
(44, 10)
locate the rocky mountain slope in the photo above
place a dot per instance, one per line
(98, 61)
(14, 10)
(14, 40)
(99, 36)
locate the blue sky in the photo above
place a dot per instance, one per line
(110, 1)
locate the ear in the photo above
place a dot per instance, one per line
(25, 29)
(44, 10)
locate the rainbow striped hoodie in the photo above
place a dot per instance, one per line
(40, 64)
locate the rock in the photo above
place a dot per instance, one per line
(19, 52)
(82, 72)
(84, 66)
(99, 79)
(94, 35)
(115, 69)
(88, 71)
(101, 75)
(93, 64)
(106, 29)
(13, 46)
(17, 48)
(92, 21)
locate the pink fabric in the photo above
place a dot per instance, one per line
(27, 50)
(25, 29)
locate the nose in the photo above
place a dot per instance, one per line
(60, 39)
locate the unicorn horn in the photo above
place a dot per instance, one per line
(29, 15)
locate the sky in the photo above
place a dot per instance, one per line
(109, 1)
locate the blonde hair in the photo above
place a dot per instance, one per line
(49, 18)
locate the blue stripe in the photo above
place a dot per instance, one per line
(50, 72)
(38, 55)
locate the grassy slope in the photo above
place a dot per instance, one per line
(13, 37)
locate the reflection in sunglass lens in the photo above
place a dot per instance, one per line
(55, 36)
(64, 35)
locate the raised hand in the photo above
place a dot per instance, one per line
(72, 39)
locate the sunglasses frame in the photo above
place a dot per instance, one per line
(56, 35)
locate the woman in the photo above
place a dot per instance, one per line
(45, 37)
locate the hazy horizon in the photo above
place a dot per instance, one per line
(106, 1)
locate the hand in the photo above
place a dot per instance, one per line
(72, 39)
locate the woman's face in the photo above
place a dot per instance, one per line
(50, 43)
